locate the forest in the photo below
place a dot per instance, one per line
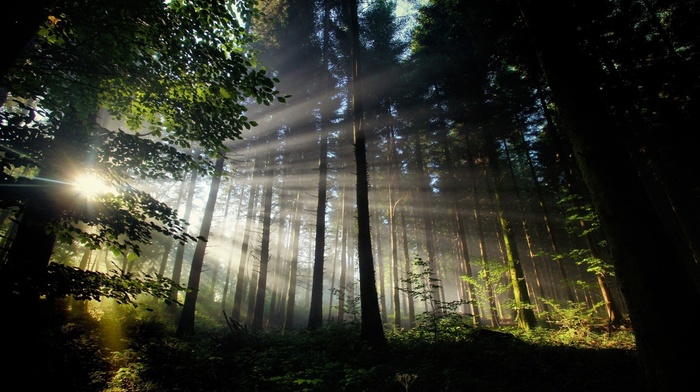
(350, 195)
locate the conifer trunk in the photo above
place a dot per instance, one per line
(371, 328)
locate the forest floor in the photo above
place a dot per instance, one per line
(133, 350)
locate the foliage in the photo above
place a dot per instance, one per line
(442, 316)
(147, 358)
(351, 304)
(489, 279)
(577, 212)
(176, 75)
(62, 281)
(573, 323)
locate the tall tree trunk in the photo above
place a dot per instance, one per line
(615, 318)
(371, 328)
(343, 279)
(48, 196)
(242, 280)
(333, 289)
(170, 241)
(548, 224)
(280, 266)
(424, 193)
(215, 269)
(293, 264)
(316, 310)
(460, 227)
(186, 325)
(259, 311)
(407, 270)
(523, 221)
(229, 263)
(483, 252)
(525, 315)
(180, 252)
(380, 266)
(394, 177)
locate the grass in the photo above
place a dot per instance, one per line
(125, 349)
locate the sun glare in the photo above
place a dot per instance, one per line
(91, 185)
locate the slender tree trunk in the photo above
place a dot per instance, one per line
(180, 252)
(316, 310)
(371, 328)
(526, 228)
(259, 311)
(424, 193)
(294, 264)
(229, 263)
(548, 224)
(380, 267)
(279, 269)
(169, 241)
(393, 179)
(186, 325)
(460, 228)
(407, 270)
(525, 315)
(333, 288)
(615, 318)
(343, 280)
(216, 267)
(241, 279)
(483, 252)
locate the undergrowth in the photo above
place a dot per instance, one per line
(127, 349)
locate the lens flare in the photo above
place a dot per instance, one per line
(90, 185)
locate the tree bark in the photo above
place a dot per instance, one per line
(180, 252)
(185, 327)
(293, 264)
(259, 311)
(242, 280)
(525, 315)
(371, 327)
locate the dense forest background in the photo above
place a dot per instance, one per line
(434, 167)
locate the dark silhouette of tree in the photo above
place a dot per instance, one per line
(185, 326)
(180, 251)
(316, 309)
(626, 213)
(260, 294)
(371, 328)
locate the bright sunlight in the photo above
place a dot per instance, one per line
(90, 185)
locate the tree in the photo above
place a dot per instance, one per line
(259, 299)
(371, 328)
(316, 310)
(185, 326)
(627, 215)
(180, 251)
(525, 315)
(242, 280)
(174, 80)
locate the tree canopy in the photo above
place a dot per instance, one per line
(177, 75)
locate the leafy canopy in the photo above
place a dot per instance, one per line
(177, 76)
